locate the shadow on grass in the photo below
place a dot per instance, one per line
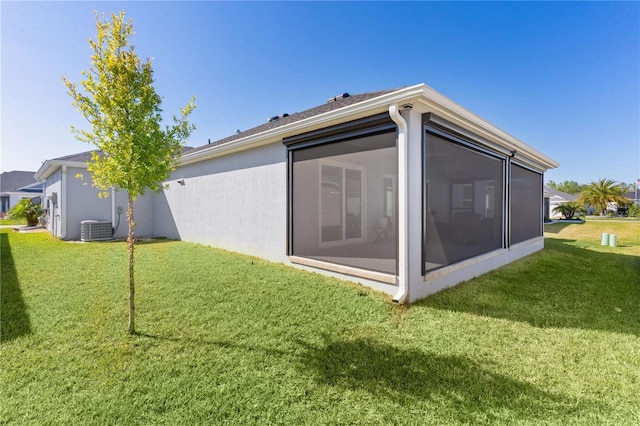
(556, 227)
(14, 320)
(560, 286)
(455, 386)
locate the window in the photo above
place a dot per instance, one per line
(526, 204)
(341, 202)
(463, 201)
(342, 198)
(4, 204)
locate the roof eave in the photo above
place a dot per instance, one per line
(347, 113)
(49, 167)
(422, 98)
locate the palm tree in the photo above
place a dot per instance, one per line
(600, 194)
(569, 209)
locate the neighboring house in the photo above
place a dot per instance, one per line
(69, 199)
(553, 198)
(633, 196)
(16, 185)
(402, 190)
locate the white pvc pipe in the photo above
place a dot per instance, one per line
(403, 208)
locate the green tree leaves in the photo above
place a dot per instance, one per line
(603, 192)
(124, 112)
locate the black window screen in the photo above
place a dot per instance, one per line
(343, 201)
(526, 204)
(463, 202)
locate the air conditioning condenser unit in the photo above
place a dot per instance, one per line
(95, 230)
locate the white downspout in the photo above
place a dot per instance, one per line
(63, 203)
(113, 209)
(403, 198)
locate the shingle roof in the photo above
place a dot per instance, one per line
(83, 157)
(80, 157)
(11, 181)
(555, 192)
(331, 105)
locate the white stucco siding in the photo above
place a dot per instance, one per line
(235, 202)
(53, 184)
(142, 213)
(83, 202)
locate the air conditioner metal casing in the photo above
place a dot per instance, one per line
(95, 230)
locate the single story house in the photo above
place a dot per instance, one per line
(69, 199)
(402, 190)
(553, 198)
(15, 186)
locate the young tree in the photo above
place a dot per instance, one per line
(123, 109)
(600, 194)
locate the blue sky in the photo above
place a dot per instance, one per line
(562, 77)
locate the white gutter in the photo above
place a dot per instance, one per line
(113, 208)
(403, 208)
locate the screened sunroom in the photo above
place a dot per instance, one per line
(409, 198)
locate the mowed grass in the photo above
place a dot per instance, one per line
(230, 339)
(7, 222)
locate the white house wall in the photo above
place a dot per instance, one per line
(236, 202)
(142, 214)
(53, 184)
(78, 200)
(82, 202)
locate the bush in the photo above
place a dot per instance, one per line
(569, 209)
(634, 210)
(25, 209)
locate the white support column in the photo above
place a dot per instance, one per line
(414, 176)
(409, 200)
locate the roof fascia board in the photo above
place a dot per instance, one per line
(49, 167)
(461, 116)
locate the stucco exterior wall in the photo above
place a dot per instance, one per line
(53, 184)
(78, 200)
(236, 202)
(142, 214)
(83, 202)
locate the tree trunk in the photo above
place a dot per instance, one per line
(130, 246)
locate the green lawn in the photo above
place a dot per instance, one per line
(230, 339)
(13, 222)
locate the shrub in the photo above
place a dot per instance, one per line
(25, 209)
(569, 209)
(634, 210)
